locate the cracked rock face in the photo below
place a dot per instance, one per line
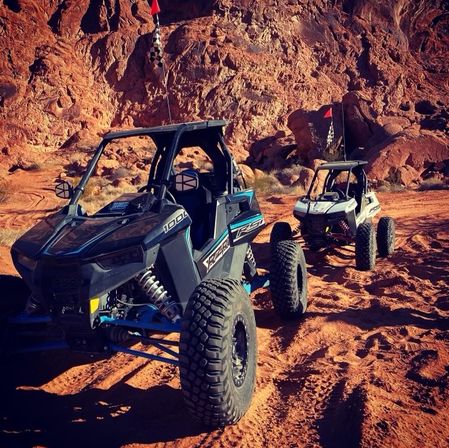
(74, 68)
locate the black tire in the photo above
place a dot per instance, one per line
(386, 234)
(288, 279)
(13, 301)
(365, 247)
(218, 352)
(281, 231)
(14, 296)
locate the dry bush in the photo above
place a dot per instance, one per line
(433, 184)
(6, 190)
(103, 196)
(120, 173)
(35, 166)
(92, 188)
(30, 164)
(9, 236)
(391, 188)
(269, 184)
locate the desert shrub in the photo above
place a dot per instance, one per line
(433, 184)
(120, 173)
(34, 166)
(6, 190)
(392, 187)
(104, 195)
(9, 236)
(269, 184)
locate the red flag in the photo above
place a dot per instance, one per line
(328, 113)
(155, 8)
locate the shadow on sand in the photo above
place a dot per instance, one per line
(120, 415)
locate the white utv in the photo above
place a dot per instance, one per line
(340, 213)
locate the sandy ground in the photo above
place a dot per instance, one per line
(368, 366)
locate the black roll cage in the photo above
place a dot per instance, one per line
(169, 140)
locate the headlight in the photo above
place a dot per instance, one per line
(120, 258)
(26, 262)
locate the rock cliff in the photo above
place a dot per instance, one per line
(71, 69)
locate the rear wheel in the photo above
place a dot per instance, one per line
(281, 231)
(218, 352)
(365, 247)
(385, 236)
(288, 279)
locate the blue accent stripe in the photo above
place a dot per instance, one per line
(249, 193)
(189, 241)
(220, 239)
(246, 221)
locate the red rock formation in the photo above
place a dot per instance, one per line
(74, 68)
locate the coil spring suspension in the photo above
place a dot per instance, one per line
(250, 256)
(250, 267)
(158, 295)
(344, 227)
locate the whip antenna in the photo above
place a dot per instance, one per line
(344, 130)
(156, 55)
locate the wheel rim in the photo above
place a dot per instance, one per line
(239, 351)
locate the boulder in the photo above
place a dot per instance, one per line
(288, 176)
(411, 155)
(305, 178)
(314, 164)
(106, 167)
(405, 175)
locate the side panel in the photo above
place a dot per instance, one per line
(210, 260)
(244, 227)
(177, 254)
(372, 206)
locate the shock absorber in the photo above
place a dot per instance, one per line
(344, 228)
(250, 256)
(156, 293)
(250, 267)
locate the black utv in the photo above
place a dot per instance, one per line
(173, 257)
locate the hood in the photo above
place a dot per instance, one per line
(82, 234)
(323, 207)
(90, 236)
(31, 242)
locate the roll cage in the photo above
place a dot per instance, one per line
(169, 140)
(334, 170)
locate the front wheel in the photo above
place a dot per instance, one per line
(365, 247)
(218, 352)
(281, 231)
(385, 236)
(13, 301)
(288, 279)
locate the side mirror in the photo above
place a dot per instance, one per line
(186, 181)
(64, 189)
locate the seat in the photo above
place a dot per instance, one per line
(197, 203)
(356, 191)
